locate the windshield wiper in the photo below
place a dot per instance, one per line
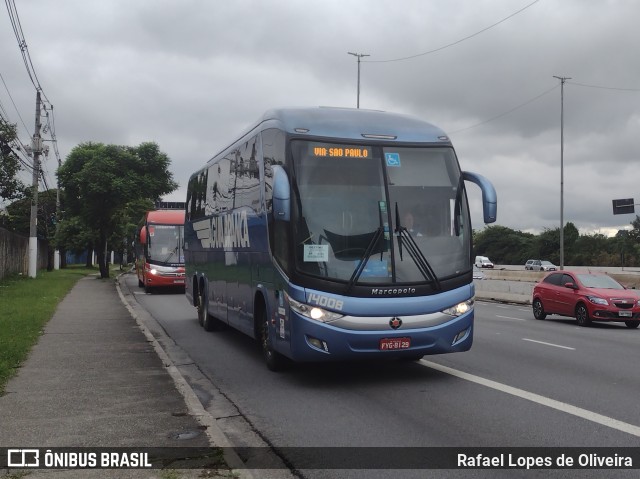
(368, 252)
(171, 253)
(365, 257)
(415, 252)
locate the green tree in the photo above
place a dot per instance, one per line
(102, 182)
(503, 245)
(588, 250)
(18, 219)
(549, 243)
(634, 234)
(10, 186)
(19, 215)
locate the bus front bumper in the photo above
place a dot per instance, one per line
(316, 341)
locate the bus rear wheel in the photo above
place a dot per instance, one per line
(200, 309)
(208, 322)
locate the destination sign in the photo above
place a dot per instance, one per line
(340, 151)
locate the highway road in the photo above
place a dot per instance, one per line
(525, 383)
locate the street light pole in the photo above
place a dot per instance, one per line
(358, 56)
(562, 80)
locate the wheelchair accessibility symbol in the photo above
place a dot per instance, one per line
(393, 159)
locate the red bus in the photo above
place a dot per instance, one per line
(159, 250)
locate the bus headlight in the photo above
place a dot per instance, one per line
(460, 308)
(312, 312)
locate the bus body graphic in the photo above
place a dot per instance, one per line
(335, 234)
(159, 250)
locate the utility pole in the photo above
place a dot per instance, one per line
(358, 56)
(36, 147)
(56, 253)
(562, 80)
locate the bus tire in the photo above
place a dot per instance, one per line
(200, 308)
(208, 322)
(274, 360)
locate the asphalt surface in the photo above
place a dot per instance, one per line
(97, 378)
(100, 376)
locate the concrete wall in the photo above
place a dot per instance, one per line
(14, 254)
(513, 284)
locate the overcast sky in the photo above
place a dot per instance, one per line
(191, 75)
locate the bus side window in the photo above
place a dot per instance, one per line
(247, 181)
(273, 152)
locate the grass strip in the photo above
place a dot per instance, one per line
(26, 305)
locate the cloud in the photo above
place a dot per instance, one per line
(191, 75)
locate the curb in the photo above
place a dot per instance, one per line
(503, 298)
(217, 438)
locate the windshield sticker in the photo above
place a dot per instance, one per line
(316, 253)
(393, 159)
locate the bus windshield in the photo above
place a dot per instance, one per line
(165, 244)
(376, 215)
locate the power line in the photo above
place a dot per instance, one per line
(508, 111)
(539, 96)
(602, 87)
(14, 103)
(22, 44)
(456, 42)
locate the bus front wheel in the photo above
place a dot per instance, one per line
(274, 360)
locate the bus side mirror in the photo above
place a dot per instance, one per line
(489, 196)
(281, 194)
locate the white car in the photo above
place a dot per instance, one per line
(483, 262)
(540, 265)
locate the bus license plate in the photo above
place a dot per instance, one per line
(391, 344)
(178, 281)
(625, 314)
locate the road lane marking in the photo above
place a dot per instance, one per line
(549, 344)
(509, 317)
(537, 398)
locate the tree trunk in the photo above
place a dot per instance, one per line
(50, 256)
(101, 256)
(89, 261)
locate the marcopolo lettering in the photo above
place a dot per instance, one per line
(227, 231)
(392, 291)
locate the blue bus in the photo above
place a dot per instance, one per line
(335, 234)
